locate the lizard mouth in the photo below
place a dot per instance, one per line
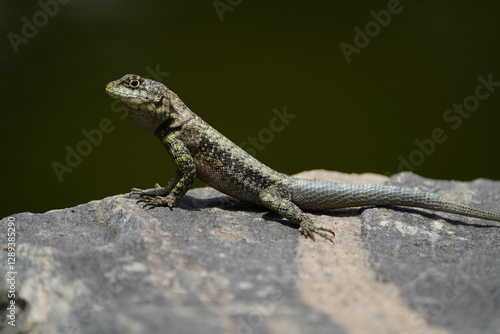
(111, 89)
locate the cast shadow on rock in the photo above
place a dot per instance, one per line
(192, 203)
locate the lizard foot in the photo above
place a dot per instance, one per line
(152, 202)
(308, 229)
(156, 191)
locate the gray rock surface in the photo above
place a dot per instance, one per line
(216, 265)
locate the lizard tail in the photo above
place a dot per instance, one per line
(324, 195)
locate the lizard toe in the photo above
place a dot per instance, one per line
(135, 191)
(309, 229)
(325, 235)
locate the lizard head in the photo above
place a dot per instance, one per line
(148, 101)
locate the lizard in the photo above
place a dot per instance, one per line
(199, 150)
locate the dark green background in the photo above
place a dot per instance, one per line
(357, 117)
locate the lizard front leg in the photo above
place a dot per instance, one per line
(181, 181)
(279, 199)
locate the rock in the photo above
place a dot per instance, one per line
(217, 265)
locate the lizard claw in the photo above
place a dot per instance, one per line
(147, 201)
(308, 229)
(325, 235)
(151, 202)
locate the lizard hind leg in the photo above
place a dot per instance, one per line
(278, 199)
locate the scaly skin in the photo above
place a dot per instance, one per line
(201, 151)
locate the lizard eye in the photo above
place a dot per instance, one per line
(134, 83)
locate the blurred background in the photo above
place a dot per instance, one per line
(347, 86)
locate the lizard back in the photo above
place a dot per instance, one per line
(225, 166)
